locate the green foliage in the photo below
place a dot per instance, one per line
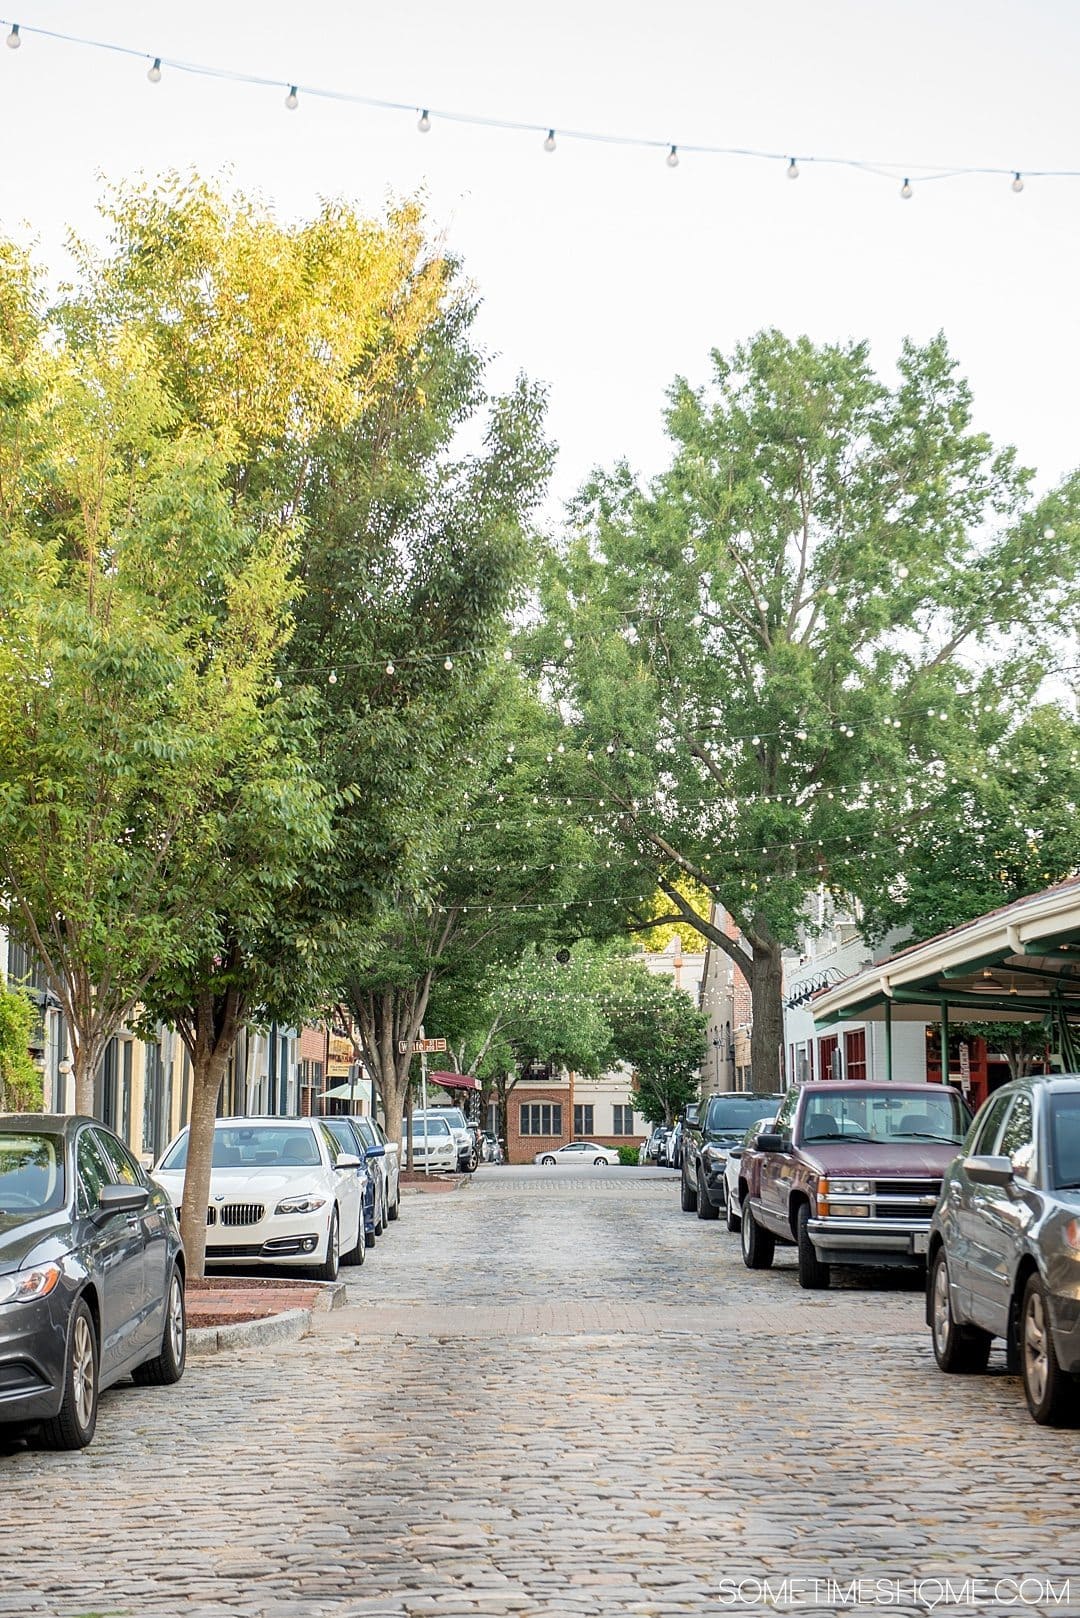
(20, 1081)
(628, 1156)
(659, 1033)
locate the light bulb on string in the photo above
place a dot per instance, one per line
(672, 158)
(389, 668)
(292, 100)
(423, 123)
(907, 190)
(448, 665)
(153, 73)
(332, 679)
(1017, 183)
(13, 40)
(549, 143)
(792, 169)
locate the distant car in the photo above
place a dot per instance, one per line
(732, 1211)
(671, 1148)
(468, 1156)
(1004, 1255)
(578, 1151)
(433, 1143)
(710, 1129)
(387, 1163)
(91, 1275)
(493, 1152)
(654, 1145)
(282, 1192)
(352, 1144)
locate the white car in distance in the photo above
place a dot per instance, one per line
(433, 1144)
(732, 1209)
(579, 1152)
(281, 1193)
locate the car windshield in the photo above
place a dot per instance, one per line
(873, 1115)
(1064, 1142)
(429, 1126)
(238, 1146)
(31, 1177)
(732, 1115)
(449, 1115)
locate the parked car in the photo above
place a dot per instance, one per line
(387, 1163)
(493, 1152)
(710, 1129)
(849, 1173)
(671, 1148)
(654, 1144)
(352, 1144)
(433, 1143)
(578, 1151)
(282, 1192)
(732, 1211)
(91, 1275)
(1004, 1257)
(468, 1157)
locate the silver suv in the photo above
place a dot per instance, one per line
(1004, 1252)
(467, 1158)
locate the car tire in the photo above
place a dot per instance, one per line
(958, 1349)
(1051, 1393)
(758, 1246)
(380, 1216)
(395, 1207)
(687, 1195)
(547, 1162)
(356, 1255)
(73, 1425)
(167, 1366)
(705, 1209)
(600, 1163)
(734, 1214)
(813, 1271)
(331, 1264)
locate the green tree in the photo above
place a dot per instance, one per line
(759, 651)
(661, 1035)
(20, 1081)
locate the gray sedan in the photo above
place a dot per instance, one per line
(1004, 1253)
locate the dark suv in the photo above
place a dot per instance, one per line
(710, 1128)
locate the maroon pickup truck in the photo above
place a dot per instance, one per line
(849, 1173)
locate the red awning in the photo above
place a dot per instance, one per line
(455, 1081)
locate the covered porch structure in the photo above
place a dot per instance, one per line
(1020, 963)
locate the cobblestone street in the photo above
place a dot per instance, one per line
(553, 1393)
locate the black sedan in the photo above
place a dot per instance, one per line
(91, 1275)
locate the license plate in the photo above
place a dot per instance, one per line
(920, 1242)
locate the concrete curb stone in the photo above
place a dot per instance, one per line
(284, 1328)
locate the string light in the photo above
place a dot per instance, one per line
(1017, 183)
(448, 665)
(673, 158)
(390, 668)
(154, 73)
(202, 69)
(907, 190)
(292, 100)
(332, 678)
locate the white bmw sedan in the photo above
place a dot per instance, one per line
(578, 1151)
(281, 1193)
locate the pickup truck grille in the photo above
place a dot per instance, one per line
(905, 1199)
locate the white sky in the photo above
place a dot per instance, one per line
(602, 271)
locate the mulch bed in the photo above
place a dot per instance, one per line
(229, 1300)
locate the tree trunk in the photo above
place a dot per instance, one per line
(85, 1068)
(767, 1000)
(207, 1072)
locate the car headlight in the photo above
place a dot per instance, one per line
(715, 1156)
(301, 1204)
(28, 1285)
(1071, 1232)
(855, 1188)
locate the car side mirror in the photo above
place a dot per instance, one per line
(771, 1141)
(691, 1113)
(375, 1151)
(347, 1160)
(989, 1170)
(113, 1199)
(736, 1151)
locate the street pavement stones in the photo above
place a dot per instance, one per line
(551, 1393)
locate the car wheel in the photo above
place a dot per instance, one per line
(957, 1348)
(758, 1246)
(168, 1365)
(73, 1426)
(687, 1195)
(380, 1215)
(1051, 1393)
(328, 1269)
(395, 1207)
(547, 1162)
(600, 1163)
(705, 1209)
(734, 1214)
(813, 1273)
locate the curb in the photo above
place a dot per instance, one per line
(285, 1328)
